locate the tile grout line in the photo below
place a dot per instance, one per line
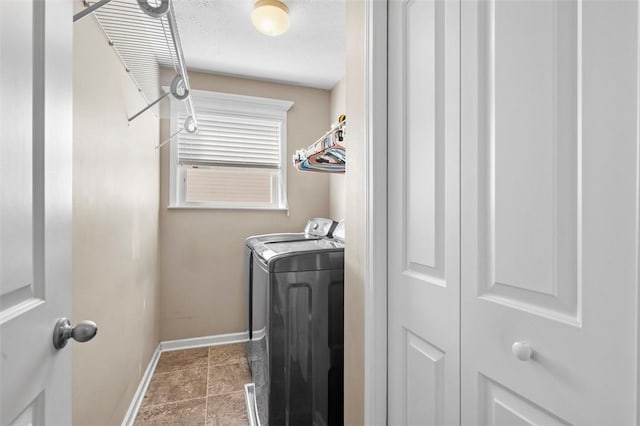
(177, 370)
(177, 400)
(172, 402)
(196, 368)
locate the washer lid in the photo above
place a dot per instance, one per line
(316, 228)
(269, 250)
(268, 238)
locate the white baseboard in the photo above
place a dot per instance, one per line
(174, 345)
(198, 342)
(130, 417)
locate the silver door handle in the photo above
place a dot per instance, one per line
(83, 332)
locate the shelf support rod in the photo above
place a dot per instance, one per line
(149, 106)
(89, 9)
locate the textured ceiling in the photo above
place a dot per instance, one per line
(217, 36)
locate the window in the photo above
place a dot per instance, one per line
(237, 157)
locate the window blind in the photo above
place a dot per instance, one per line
(228, 184)
(230, 140)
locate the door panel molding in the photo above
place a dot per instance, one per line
(502, 406)
(423, 135)
(423, 381)
(530, 138)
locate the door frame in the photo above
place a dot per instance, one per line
(375, 285)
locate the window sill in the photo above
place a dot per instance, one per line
(183, 207)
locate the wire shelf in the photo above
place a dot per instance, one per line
(144, 43)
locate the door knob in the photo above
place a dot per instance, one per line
(522, 350)
(83, 332)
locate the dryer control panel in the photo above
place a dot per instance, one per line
(320, 227)
(338, 232)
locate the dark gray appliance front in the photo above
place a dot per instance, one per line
(298, 366)
(315, 229)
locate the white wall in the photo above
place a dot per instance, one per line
(201, 267)
(115, 231)
(337, 182)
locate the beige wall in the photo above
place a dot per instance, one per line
(115, 231)
(201, 251)
(337, 182)
(355, 217)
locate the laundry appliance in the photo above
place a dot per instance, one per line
(297, 362)
(316, 228)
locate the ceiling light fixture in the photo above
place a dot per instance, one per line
(270, 17)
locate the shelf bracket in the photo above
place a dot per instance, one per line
(89, 9)
(179, 90)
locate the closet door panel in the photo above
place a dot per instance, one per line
(549, 216)
(423, 212)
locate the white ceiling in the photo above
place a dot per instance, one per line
(217, 36)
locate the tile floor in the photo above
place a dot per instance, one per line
(202, 386)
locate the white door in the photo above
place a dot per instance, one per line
(549, 219)
(35, 209)
(424, 241)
